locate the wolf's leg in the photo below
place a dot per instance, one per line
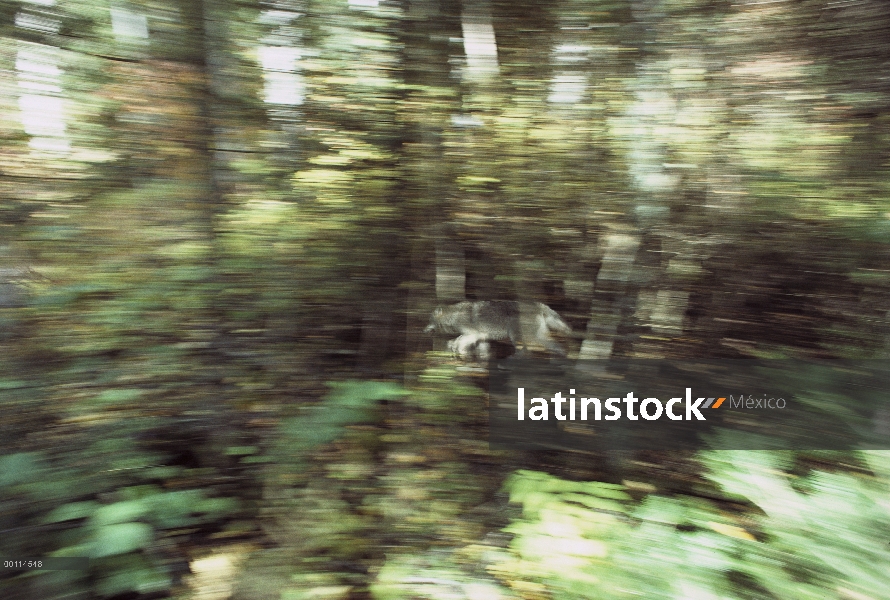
(462, 345)
(554, 348)
(544, 338)
(517, 340)
(456, 346)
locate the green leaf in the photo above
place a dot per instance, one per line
(174, 509)
(120, 512)
(115, 396)
(143, 581)
(348, 402)
(130, 573)
(181, 501)
(71, 511)
(120, 538)
(217, 507)
(12, 384)
(168, 472)
(19, 467)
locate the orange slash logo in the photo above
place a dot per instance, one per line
(716, 404)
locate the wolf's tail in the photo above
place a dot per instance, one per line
(554, 321)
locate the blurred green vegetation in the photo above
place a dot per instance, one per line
(223, 226)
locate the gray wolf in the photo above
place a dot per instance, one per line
(477, 324)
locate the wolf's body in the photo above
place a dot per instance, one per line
(477, 324)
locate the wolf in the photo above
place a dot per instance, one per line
(480, 323)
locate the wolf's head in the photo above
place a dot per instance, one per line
(435, 321)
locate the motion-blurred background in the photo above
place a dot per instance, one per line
(224, 224)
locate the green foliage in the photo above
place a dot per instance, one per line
(576, 536)
(118, 535)
(118, 538)
(349, 402)
(312, 518)
(132, 573)
(71, 512)
(208, 256)
(17, 468)
(443, 398)
(824, 530)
